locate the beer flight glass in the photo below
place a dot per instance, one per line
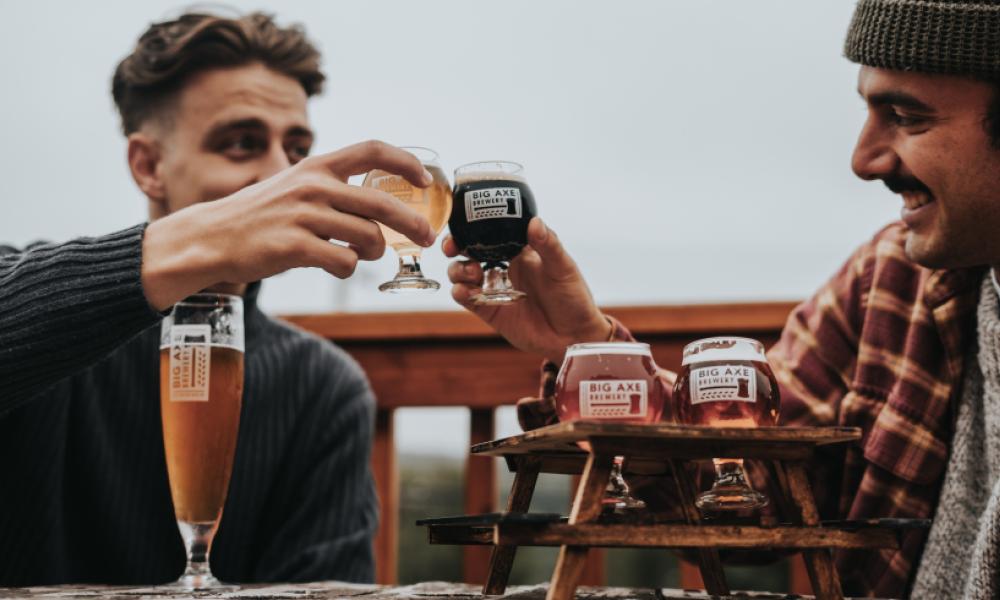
(433, 202)
(201, 392)
(726, 382)
(491, 208)
(610, 382)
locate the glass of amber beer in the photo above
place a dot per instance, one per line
(726, 382)
(201, 392)
(611, 382)
(433, 202)
(489, 223)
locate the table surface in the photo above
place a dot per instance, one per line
(563, 437)
(327, 590)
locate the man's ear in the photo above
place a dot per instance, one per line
(144, 155)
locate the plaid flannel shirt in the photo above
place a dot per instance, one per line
(880, 346)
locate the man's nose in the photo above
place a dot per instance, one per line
(874, 156)
(275, 161)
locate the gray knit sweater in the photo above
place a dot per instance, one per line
(83, 484)
(962, 555)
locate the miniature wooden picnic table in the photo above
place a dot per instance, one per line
(661, 450)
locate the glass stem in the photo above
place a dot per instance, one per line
(197, 541)
(409, 268)
(729, 472)
(496, 278)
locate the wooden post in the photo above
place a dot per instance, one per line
(480, 492)
(386, 475)
(594, 569)
(586, 508)
(519, 501)
(819, 562)
(709, 563)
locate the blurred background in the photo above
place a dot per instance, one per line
(686, 152)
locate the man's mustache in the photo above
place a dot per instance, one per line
(904, 183)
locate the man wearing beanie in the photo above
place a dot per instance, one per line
(903, 341)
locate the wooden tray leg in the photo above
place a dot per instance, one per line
(502, 557)
(708, 558)
(586, 508)
(819, 562)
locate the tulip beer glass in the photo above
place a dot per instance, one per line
(726, 382)
(201, 392)
(490, 212)
(433, 202)
(611, 382)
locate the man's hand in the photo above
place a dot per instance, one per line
(559, 309)
(283, 222)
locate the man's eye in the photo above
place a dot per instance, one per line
(903, 120)
(297, 152)
(243, 145)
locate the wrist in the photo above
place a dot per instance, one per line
(601, 329)
(176, 262)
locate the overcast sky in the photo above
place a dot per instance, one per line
(685, 151)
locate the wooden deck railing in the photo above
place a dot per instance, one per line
(437, 359)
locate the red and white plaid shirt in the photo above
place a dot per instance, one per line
(880, 346)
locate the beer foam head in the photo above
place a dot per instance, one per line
(490, 170)
(723, 348)
(597, 348)
(470, 176)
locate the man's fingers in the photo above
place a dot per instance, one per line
(465, 272)
(556, 263)
(463, 294)
(362, 235)
(373, 154)
(339, 261)
(449, 247)
(379, 206)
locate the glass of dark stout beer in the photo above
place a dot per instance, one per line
(433, 202)
(492, 205)
(201, 392)
(726, 382)
(610, 382)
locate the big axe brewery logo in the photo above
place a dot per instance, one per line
(613, 398)
(723, 383)
(190, 362)
(493, 203)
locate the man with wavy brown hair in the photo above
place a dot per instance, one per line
(214, 110)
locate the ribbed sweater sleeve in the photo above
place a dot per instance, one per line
(65, 306)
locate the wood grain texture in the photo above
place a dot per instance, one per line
(819, 563)
(641, 320)
(480, 492)
(386, 474)
(519, 501)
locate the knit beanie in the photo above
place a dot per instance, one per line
(953, 37)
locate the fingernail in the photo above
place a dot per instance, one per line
(545, 231)
(428, 178)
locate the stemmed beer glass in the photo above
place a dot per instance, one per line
(433, 202)
(490, 212)
(611, 382)
(726, 382)
(201, 393)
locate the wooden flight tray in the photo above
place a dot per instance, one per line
(662, 449)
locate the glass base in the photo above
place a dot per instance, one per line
(407, 285)
(731, 491)
(409, 279)
(498, 298)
